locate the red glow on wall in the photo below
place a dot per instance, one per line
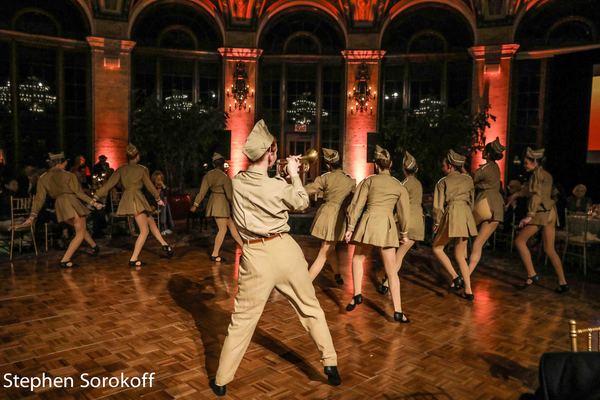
(594, 132)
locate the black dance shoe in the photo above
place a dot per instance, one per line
(95, 250)
(338, 279)
(562, 289)
(401, 317)
(383, 289)
(457, 283)
(136, 263)
(530, 281)
(333, 376)
(168, 250)
(67, 264)
(468, 296)
(357, 300)
(219, 391)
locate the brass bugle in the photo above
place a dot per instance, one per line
(306, 160)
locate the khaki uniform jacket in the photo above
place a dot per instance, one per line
(381, 194)
(416, 225)
(261, 204)
(487, 189)
(65, 189)
(329, 223)
(219, 184)
(541, 207)
(132, 177)
(453, 199)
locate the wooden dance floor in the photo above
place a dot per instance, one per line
(171, 317)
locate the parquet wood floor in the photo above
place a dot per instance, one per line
(170, 318)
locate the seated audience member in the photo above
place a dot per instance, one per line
(165, 217)
(81, 170)
(11, 188)
(102, 166)
(28, 181)
(578, 202)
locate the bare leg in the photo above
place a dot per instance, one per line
(79, 225)
(486, 230)
(319, 262)
(155, 231)
(222, 226)
(332, 258)
(234, 232)
(400, 254)
(549, 233)
(439, 242)
(521, 244)
(360, 254)
(391, 269)
(142, 221)
(88, 238)
(460, 251)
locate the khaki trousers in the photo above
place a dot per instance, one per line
(275, 264)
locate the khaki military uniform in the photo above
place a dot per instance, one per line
(65, 189)
(541, 206)
(453, 206)
(132, 177)
(271, 259)
(380, 194)
(416, 225)
(329, 223)
(219, 184)
(489, 204)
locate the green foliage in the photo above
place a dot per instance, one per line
(430, 132)
(176, 140)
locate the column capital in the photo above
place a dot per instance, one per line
(359, 56)
(494, 53)
(111, 45)
(240, 53)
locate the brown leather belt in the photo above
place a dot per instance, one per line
(265, 239)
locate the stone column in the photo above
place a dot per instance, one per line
(491, 85)
(360, 122)
(111, 102)
(241, 120)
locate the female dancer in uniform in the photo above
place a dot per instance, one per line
(219, 204)
(380, 194)
(489, 204)
(453, 219)
(329, 223)
(133, 177)
(542, 215)
(416, 225)
(65, 189)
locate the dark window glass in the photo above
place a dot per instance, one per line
(37, 23)
(6, 136)
(302, 44)
(209, 81)
(425, 82)
(177, 39)
(393, 89)
(177, 77)
(270, 80)
(427, 43)
(459, 83)
(332, 103)
(77, 137)
(144, 78)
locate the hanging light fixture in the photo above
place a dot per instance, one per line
(177, 103)
(362, 93)
(240, 90)
(304, 110)
(431, 109)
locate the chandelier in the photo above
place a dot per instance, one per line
(33, 94)
(304, 110)
(177, 103)
(240, 90)
(362, 93)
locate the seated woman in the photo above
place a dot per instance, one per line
(579, 202)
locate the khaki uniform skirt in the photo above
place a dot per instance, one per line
(544, 218)
(68, 206)
(489, 206)
(416, 224)
(329, 223)
(377, 228)
(218, 206)
(458, 221)
(133, 202)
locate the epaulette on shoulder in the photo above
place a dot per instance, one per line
(441, 179)
(43, 174)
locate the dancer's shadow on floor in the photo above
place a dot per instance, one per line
(201, 299)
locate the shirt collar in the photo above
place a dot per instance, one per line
(257, 170)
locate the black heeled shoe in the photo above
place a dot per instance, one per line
(530, 281)
(95, 250)
(136, 263)
(168, 250)
(217, 259)
(67, 264)
(468, 296)
(457, 283)
(333, 375)
(338, 279)
(383, 289)
(219, 391)
(401, 317)
(357, 300)
(562, 289)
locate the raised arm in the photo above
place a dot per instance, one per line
(39, 199)
(535, 194)
(315, 187)
(294, 195)
(403, 212)
(227, 187)
(111, 183)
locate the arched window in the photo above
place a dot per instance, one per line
(301, 80)
(571, 31)
(44, 88)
